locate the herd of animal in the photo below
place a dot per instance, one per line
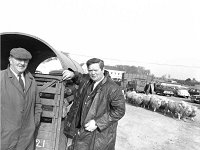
(165, 105)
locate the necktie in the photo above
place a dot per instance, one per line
(21, 81)
(92, 86)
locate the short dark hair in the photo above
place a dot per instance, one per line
(95, 60)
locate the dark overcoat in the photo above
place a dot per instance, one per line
(20, 112)
(106, 105)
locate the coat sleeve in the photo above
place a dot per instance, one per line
(38, 107)
(78, 77)
(115, 112)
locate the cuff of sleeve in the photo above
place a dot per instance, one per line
(99, 128)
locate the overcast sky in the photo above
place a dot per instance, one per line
(160, 35)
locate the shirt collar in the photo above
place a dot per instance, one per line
(96, 83)
(16, 75)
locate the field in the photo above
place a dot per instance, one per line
(143, 129)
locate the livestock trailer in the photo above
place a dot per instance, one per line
(55, 94)
(135, 82)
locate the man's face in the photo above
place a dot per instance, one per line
(95, 72)
(18, 65)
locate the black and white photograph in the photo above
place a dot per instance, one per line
(100, 74)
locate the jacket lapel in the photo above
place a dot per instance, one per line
(95, 101)
(28, 81)
(93, 108)
(14, 81)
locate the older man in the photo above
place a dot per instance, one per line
(20, 103)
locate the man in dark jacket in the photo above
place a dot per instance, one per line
(99, 104)
(20, 103)
(149, 88)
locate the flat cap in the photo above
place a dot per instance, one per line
(20, 53)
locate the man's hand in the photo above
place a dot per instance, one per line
(90, 126)
(67, 75)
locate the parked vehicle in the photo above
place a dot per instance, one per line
(182, 93)
(195, 98)
(164, 90)
(193, 91)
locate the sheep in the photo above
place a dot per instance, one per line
(193, 113)
(146, 100)
(130, 96)
(176, 108)
(155, 102)
(138, 99)
(164, 105)
(190, 112)
(179, 109)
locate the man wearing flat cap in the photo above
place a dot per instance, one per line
(20, 103)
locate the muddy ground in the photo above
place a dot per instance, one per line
(143, 129)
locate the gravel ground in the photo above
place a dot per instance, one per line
(143, 129)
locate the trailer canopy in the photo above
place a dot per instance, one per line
(39, 49)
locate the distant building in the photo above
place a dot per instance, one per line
(115, 74)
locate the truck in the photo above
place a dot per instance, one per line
(136, 85)
(55, 94)
(135, 82)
